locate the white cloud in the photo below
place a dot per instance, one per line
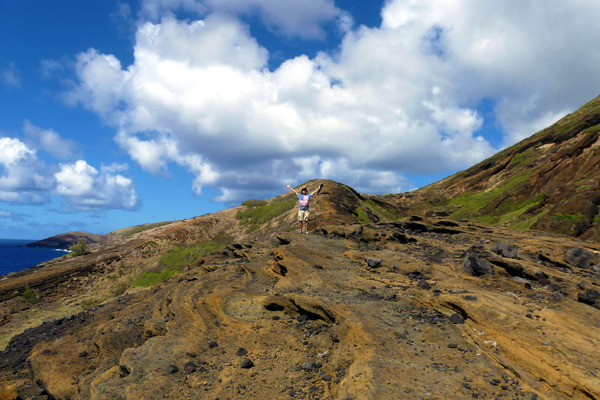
(5, 214)
(21, 177)
(9, 76)
(25, 179)
(49, 140)
(84, 188)
(396, 99)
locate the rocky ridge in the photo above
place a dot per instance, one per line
(549, 182)
(368, 306)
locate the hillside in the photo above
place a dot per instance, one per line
(66, 240)
(549, 182)
(236, 304)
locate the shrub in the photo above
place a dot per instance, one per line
(80, 248)
(30, 295)
(254, 203)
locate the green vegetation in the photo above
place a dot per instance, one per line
(573, 217)
(31, 296)
(362, 215)
(255, 216)
(523, 158)
(149, 278)
(371, 207)
(181, 256)
(472, 202)
(142, 228)
(528, 223)
(254, 203)
(80, 248)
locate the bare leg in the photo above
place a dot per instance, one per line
(300, 226)
(306, 226)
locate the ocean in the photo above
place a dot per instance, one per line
(14, 256)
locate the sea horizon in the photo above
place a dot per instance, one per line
(15, 256)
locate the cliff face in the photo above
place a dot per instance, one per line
(549, 181)
(368, 306)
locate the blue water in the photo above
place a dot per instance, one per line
(15, 257)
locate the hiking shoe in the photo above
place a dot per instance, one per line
(307, 232)
(300, 232)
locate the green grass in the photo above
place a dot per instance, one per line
(256, 216)
(181, 256)
(254, 203)
(573, 217)
(372, 207)
(472, 202)
(361, 215)
(528, 223)
(142, 228)
(523, 158)
(149, 278)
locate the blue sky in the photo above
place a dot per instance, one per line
(116, 113)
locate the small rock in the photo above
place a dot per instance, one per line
(505, 250)
(318, 267)
(241, 352)
(308, 366)
(358, 231)
(476, 266)
(302, 318)
(521, 280)
(468, 297)
(558, 296)
(581, 285)
(423, 284)
(83, 354)
(373, 262)
(213, 344)
(171, 369)
(190, 368)
(456, 318)
(452, 346)
(589, 297)
(247, 363)
(554, 287)
(541, 275)
(544, 343)
(545, 282)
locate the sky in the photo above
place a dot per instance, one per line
(118, 113)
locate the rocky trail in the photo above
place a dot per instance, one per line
(414, 309)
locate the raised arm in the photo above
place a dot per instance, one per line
(291, 188)
(316, 192)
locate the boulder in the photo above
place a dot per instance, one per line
(578, 257)
(505, 250)
(373, 262)
(476, 266)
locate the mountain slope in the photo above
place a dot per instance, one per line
(549, 181)
(369, 306)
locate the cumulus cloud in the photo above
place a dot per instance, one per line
(21, 176)
(397, 99)
(84, 188)
(25, 179)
